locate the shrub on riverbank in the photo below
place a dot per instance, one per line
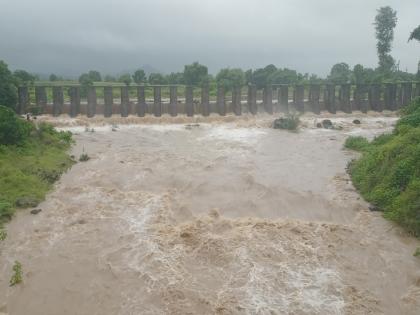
(388, 173)
(32, 158)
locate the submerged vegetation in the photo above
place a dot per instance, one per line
(17, 274)
(388, 173)
(290, 122)
(32, 158)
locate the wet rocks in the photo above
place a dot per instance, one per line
(327, 124)
(319, 125)
(374, 208)
(26, 202)
(36, 211)
(191, 126)
(288, 123)
(356, 122)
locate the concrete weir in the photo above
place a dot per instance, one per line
(157, 100)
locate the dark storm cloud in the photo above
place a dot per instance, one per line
(70, 36)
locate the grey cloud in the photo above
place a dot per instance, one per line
(71, 36)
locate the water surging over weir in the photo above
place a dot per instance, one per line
(231, 218)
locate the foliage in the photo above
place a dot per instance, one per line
(3, 234)
(157, 78)
(95, 76)
(17, 274)
(340, 73)
(13, 129)
(356, 143)
(385, 22)
(53, 77)
(388, 174)
(8, 91)
(125, 78)
(230, 78)
(109, 78)
(23, 77)
(289, 122)
(85, 80)
(415, 34)
(28, 171)
(139, 76)
(175, 78)
(195, 74)
(417, 252)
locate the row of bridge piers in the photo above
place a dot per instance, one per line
(272, 98)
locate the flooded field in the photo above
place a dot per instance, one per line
(209, 216)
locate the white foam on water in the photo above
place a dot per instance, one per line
(243, 135)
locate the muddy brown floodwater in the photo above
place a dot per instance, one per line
(225, 217)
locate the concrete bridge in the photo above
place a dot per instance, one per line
(100, 100)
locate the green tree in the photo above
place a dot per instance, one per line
(95, 76)
(385, 22)
(23, 77)
(110, 78)
(229, 78)
(175, 78)
(340, 73)
(195, 74)
(139, 76)
(261, 77)
(125, 78)
(53, 77)
(85, 80)
(156, 78)
(8, 91)
(415, 34)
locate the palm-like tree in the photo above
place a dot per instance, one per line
(415, 34)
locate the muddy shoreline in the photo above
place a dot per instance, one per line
(224, 217)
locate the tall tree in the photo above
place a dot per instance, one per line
(340, 73)
(415, 34)
(195, 74)
(139, 76)
(385, 22)
(8, 92)
(230, 78)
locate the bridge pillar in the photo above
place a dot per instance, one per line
(329, 98)
(141, 101)
(252, 99)
(58, 100)
(283, 98)
(314, 95)
(108, 101)
(157, 101)
(417, 94)
(375, 97)
(125, 102)
(173, 100)
(91, 99)
(23, 99)
(345, 98)
(41, 97)
(407, 90)
(236, 100)
(205, 100)
(74, 94)
(189, 101)
(299, 98)
(221, 103)
(390, 96)
(268, 99)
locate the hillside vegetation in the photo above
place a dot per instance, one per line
(32, 158)
(388, 173)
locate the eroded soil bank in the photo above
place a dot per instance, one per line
(225, 217)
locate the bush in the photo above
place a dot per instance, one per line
(388, 174)
(356, 143)
(289, 122)
(8, 90)
(13, 130)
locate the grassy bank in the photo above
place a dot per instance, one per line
(32, 158)
(388, 173)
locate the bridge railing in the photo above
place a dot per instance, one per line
(142, 100)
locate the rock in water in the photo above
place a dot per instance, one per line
(327, 124)
(356, 122)
(36, 211)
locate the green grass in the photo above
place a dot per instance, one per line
(388, 173)
(28, 170)
(356, 143)
(17, 274)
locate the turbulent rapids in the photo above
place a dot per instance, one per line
(222, 216)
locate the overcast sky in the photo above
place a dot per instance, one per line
(72, 36)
